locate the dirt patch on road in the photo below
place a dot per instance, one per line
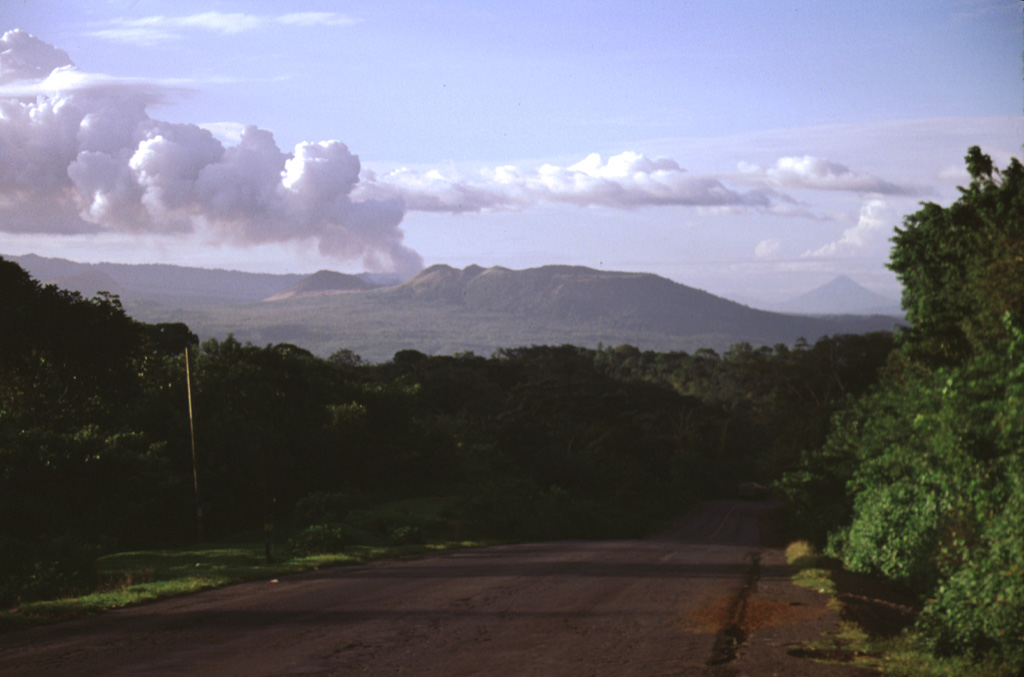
(761, 613)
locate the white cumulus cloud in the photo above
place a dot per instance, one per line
(623, 181)
(814, 173)
(874, 223)
(91, 160)
(767, 248)
(23, 57)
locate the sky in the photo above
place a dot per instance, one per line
(752, 149)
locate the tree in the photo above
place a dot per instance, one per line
(928, 471)
(76, 471)
(63, 357)
(962, 267)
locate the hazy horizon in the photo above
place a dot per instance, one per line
(755, 151)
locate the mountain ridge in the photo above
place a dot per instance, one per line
(153, 281)
(445, 310)
(639, 300)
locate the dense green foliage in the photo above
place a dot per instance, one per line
(531, 443)
(70, 463)
(922, 481)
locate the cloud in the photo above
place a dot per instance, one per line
(23, 57)
(31, 68)
(876, 218)
(155, 30)
(624, 181)
(68, 79)
(89, 159)
(815, 173)
(766, 249)
(315, 19)
(231, 132)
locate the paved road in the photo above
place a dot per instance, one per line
(704, 599)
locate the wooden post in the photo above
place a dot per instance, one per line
(268, 528)
(195, 465)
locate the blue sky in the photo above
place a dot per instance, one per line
(752, 149)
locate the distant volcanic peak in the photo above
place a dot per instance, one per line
(430, 276)
(439, 271)
(329, 280)
(323, 282)
(841, 295)
(842, 283)
(436, 269)
(443, 275)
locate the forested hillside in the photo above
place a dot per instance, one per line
(530, 443)
(922, 481)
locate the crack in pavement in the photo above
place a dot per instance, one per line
(732, 635)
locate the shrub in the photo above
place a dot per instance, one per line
(519, 510)
(803, 555)
(406, 535)
(894, 534)
(321, 539)
(980, 608)
(50, 569)
(325, 507)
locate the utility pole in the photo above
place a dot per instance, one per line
(195, 465)
(268, 526)
(265, 459)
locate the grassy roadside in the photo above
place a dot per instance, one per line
(876, 631)
(132, 578)
(388, 530)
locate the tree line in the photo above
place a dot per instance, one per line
(529, 443)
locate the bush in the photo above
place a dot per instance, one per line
(322, 539)
(325, 507)
(421, 520)
(894, 534)
(939, 494)
(55, 568)
(980, 608)
(519, 510)
(406, 535)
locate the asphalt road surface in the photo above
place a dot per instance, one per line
(704, 599)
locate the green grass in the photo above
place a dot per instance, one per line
(905, 659)
(131, 578)
(803, 555)
(138, 577)
(816, 579)
(812, 570)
